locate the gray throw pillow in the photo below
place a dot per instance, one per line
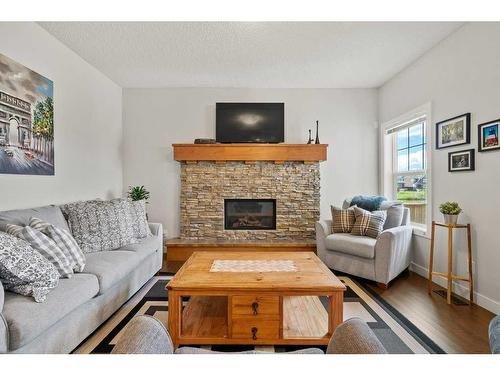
(25, 271)
(139, 220)
(100, 225)
(395, 212)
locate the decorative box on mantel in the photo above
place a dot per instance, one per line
(287, 175)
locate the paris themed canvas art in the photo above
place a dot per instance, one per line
(26, 120)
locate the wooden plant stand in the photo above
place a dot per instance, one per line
(449, 276)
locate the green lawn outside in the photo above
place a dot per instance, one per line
(411, 195)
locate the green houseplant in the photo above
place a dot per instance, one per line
(450, 211)
(136, 193)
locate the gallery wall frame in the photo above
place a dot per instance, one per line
(488, 136)
(460, 161)
(454, 131)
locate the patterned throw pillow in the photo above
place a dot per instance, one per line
(25, 271)
(44, 245)
(342, 220)
(64, 240)
(100, 225)
(367, 223)
(139, 220)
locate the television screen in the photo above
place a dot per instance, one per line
(250, 122)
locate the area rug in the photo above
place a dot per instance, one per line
(397, 334)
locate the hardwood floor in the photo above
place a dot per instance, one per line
(456, 329)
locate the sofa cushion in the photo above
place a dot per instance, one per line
(111, 266)
(51, 214)
(27, 320)
(145, 246)
(354, 245)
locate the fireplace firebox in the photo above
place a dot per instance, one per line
(249, 214)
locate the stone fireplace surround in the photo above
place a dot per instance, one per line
(205, 184)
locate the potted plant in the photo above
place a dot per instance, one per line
(450, 211)
(136, 193)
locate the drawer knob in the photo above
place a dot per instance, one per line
(254, 333)
(255, 308)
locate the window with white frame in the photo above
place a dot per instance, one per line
(406, 167)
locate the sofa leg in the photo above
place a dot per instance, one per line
(383, 286)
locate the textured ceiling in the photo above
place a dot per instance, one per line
(250, 54)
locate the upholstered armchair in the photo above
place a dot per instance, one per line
(379, 259)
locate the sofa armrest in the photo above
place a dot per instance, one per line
(354, 337)
(392, 253)
(144, 335)
(2, 297)
(156, 229)
(4, 332)
(323, 229)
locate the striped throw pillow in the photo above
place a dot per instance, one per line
(44, 245)
(342, 220)
(368, 223)
(64, 240)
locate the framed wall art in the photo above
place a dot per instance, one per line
(453, 132)
(487, 135)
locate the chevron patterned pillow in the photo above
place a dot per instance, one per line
(368, 223)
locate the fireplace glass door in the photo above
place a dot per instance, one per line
(253, 214)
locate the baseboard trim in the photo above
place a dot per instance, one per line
(459, 289)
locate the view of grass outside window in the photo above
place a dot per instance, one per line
(410, 171)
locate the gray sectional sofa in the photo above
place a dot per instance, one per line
(79, 305)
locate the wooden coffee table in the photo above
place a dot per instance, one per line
(260, 298)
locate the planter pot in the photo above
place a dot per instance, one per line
(450, 219)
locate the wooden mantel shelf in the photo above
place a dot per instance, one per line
(222, 152)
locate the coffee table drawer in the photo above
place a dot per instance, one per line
(255, 329)
(255, 305)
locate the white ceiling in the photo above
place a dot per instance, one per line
(250, 54)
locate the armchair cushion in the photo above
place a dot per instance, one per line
(353, 245)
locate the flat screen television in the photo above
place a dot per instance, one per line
(250, 122)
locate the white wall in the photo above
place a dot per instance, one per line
(156, 118)
(461, 74)
(87, 123)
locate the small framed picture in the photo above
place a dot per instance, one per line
(461, 161)
(487, 135)
(453, 132)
